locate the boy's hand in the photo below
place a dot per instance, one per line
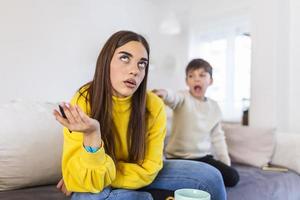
(162, 93)
(77, 120)
(61, 186)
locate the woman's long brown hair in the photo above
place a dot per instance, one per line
(99, 96)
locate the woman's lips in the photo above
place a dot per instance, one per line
(130, 83)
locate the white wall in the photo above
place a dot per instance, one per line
(49, 48)
(294, 91)
(275, 93)
(265, 39)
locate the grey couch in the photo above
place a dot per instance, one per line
(42, 192)
(255, 184)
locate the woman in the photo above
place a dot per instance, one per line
(114, 133)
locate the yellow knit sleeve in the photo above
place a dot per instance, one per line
(134, 176)
(84, 171)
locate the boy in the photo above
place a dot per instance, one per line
(196, 129)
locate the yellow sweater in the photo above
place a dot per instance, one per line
(91, 172)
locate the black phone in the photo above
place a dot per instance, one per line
(62, 111)
(63, 114)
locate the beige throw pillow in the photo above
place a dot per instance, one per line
(30, 145)
(287, 151)
(250, 145)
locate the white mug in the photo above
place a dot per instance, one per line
(191, 194)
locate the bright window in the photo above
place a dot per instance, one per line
(230, 57)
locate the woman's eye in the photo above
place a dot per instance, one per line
(124, 58)
(142, 65)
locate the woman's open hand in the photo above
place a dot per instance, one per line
(77, 120)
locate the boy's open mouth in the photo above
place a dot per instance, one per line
(197, 88)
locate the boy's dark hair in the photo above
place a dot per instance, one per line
(198, 64)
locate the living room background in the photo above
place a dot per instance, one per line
(49, 48)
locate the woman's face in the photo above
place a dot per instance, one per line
(127, 68)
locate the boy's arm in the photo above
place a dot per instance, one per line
(171, 99)
(219, 144)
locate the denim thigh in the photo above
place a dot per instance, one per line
(115, 194)
(178, 174)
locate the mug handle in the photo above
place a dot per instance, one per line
(170, 198)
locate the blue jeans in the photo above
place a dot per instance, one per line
(175, 174)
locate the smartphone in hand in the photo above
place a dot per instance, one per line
(62, 112)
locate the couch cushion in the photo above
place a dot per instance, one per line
(42, 192)
(257, 184)
(250, 145)
(30, 145)
(287, 151)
